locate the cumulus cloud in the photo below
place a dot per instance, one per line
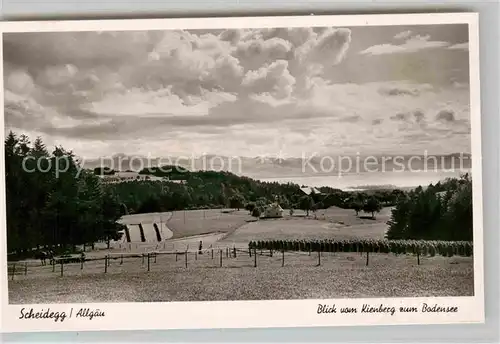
(405, 90)
(222, 86)
(403, 35)
(57, 75)
(18, 81)
(419, 116)
(459, 46)
(327, 48)
(163, 103)
(415, 116)
(231, 35)
(227, 73)
(257, 52)
(445, 116)
(400, 117)
(274, 79)
(411, 45)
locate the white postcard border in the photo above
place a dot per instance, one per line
(246, 314)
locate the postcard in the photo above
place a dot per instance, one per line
(241, 172)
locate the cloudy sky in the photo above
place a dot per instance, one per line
(371, 90)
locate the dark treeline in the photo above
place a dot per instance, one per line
(211, 189)
(438, 212)
(49, 204)
(200, 189)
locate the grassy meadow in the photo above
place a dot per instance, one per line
(340, 275)
(192, 277)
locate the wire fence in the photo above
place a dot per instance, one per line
(214, 257)
(61, 265)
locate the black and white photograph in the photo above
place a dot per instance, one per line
(329, 160)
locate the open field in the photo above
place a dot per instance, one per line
(181, 229)
(331, 223)
(220, 229)
(302, 228)
(341, 275)
(196, 222)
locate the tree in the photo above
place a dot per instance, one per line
(250, 206)
(256, 212)
(423, 214)
(316, 207)
(357, 206)
(306, 204)
(458, 217)
(90, 206)
(236, 201)
(398, 224)
(372, 205)
(51, 200)
(110, 229)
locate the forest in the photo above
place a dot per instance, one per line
(51, 201)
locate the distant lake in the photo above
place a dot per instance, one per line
(359, 181)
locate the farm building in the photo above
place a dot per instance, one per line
(273, 210)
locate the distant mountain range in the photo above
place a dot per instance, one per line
(262, 167)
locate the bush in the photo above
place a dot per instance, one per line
(256, 212)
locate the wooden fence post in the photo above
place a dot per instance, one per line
(212, 253)
(367, 257)
(254, 257)
(176, 256)
(250, 252)
(155, 256)
(148, 261)
(186, 258)
(13, 270)
(270, 252)
(81, 263)
(105, 264)
(227, 252)
(418, 257)
(121, 260)
(234, 251)
(62, 267)
(25, 268)
(319, 257)
(283, 258)
(221, 258)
